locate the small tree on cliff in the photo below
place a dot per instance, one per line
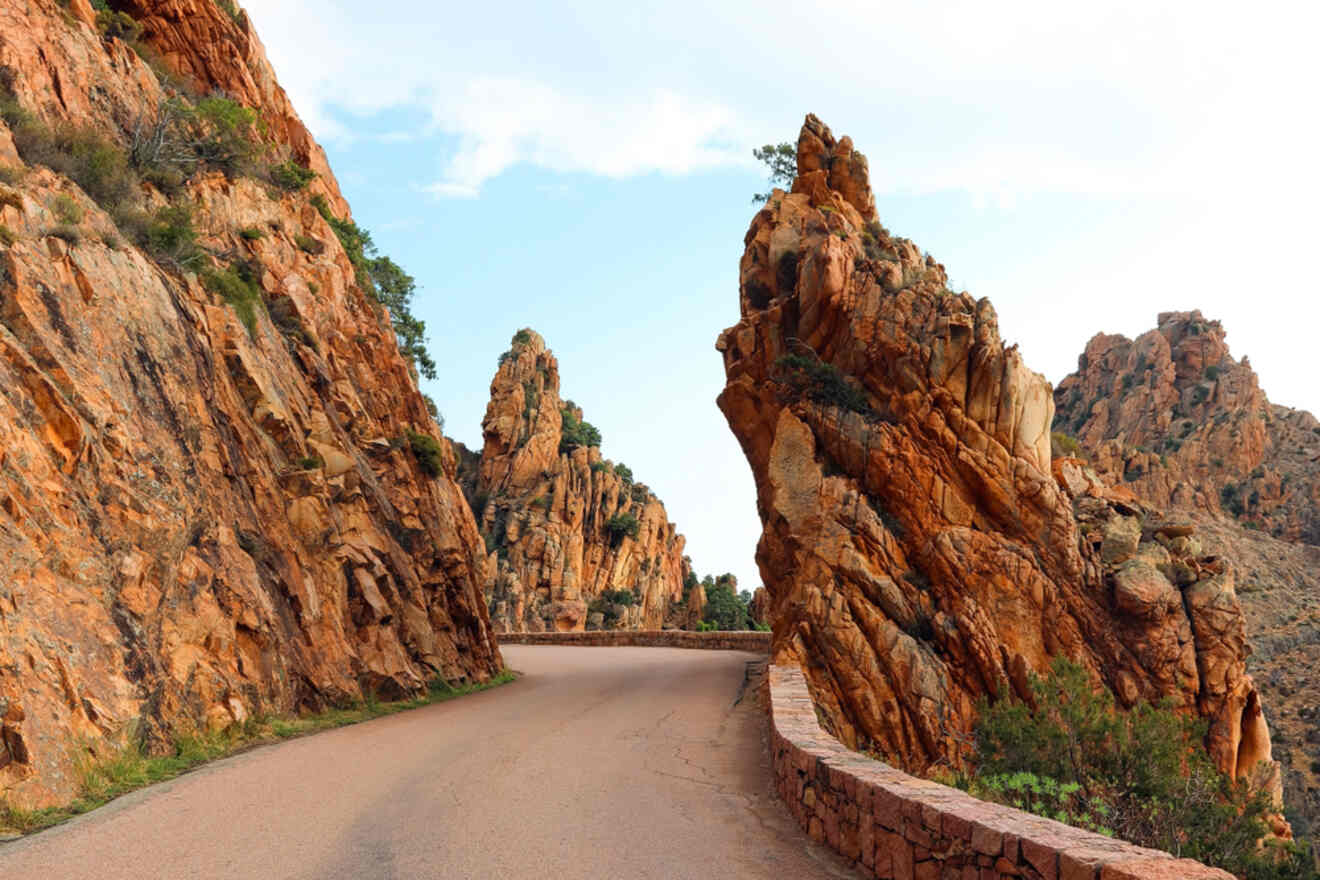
(781, 160)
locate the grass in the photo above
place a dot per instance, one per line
(128, 769)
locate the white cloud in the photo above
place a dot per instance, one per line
(500, 122)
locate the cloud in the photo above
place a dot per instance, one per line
(501, 122)
(994, 99)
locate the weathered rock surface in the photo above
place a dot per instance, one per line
(1176, 418)
(547, 512)
(920, 547)
(198, 523)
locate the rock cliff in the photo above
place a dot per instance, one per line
(1175, 418)
(920, 547)
(219, 492)
(576, 543)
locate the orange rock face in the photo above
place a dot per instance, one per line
(547, 511)
(1174, 416)
(198, 522)
(920, 547)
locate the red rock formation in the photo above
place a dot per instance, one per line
(759, 608)
(919, 549)
(198, 522)
(547, 511)
(1176, 419)
(1174, 416)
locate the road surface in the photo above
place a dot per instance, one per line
(597, 763)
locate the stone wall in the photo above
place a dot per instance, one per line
(758, 642)
(898, 826)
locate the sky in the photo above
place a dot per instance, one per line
(585, 169)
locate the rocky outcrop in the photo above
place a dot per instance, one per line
(920, 548)
(200, 520)
(759, 608)
(575, 542)
(1175, 417)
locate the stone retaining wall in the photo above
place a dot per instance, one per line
(898, 827)
(758, 642)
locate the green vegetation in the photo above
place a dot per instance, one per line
(726, 608)
(576, 432)
(7, 236)
(781, 161)
(623, 472)
(622, 525)
(130, 768)
(821, 382)
(1212, 373)
(1064, 444)
(382, 280)
(309, 462)
(427, 451)
(608, 602)
(184, 137)
(250, 233)
(66, 210)
(1142, 775)
(117, 25)
(309, 245)
(231, 9)
(1230, 497)
(290, 176)
(236, 286)
(170, 237)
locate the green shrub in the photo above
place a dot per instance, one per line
(236, 286)
(1212, 373)
(290, 176)
(427, 451)
(522, 337)
(1230, 496)
(309, 245)
(66, 210)
(170, 237)
(1143, 774)
(309, 462)
(575, 432)
(1063, 444)
(623, 472)
(622, 525)
(118, 25)
(68, 233)
(99, 166)
(601, 466)
(231, 9)
(225, 137)
(7, 236)
(250, 233)
(821, 382)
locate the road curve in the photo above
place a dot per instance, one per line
(596, 763)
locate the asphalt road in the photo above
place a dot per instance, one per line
(596, 763)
